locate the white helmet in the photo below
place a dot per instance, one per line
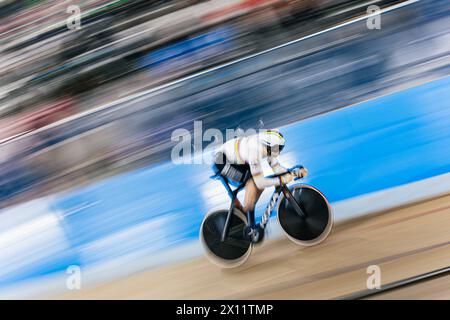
(273, 140)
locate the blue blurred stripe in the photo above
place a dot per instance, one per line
(393, 140)
(390, 141)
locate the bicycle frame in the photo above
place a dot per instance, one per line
(233, 195)
(289, 196)
(265, 218)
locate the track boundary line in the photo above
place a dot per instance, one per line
(398, 284)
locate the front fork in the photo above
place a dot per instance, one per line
(293, 202)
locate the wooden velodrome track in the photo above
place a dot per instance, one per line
(403, 242)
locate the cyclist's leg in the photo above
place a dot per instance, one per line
(254, 232)
(252, 194)
(238, 205)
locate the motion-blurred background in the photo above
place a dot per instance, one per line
(86, 117)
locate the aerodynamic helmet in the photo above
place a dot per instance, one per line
(273, 140)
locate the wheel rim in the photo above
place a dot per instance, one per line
(234, 250)
(316, 226)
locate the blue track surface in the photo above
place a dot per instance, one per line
(390, 141)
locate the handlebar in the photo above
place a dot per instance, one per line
(295, 170)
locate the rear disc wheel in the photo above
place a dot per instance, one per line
(234, 250)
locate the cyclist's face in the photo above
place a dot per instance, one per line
(276, 150)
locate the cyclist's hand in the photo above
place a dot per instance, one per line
(286, 178)
(303, 172)
(300, 172)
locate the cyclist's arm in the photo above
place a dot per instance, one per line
(258, 176)
(275, 165)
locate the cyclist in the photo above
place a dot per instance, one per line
(239, 161)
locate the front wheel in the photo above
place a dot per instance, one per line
(232, 252)
(317, 224)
